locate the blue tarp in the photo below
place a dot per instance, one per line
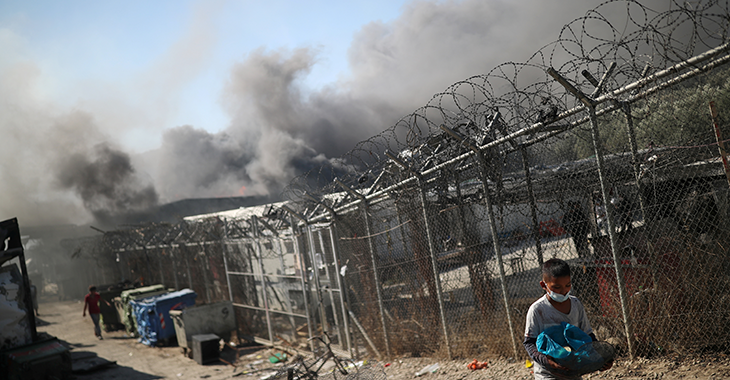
(153, 314)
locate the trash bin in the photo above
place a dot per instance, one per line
(110, 317)
(215, 318)
(153, 315)
(126, 296)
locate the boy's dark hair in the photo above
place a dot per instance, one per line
(555, 268)
(92, 288)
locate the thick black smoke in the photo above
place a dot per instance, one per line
(107, 183)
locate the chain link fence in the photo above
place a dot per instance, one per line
(427, 239)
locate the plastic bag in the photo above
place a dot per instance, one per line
(554, 340)
(574, 349)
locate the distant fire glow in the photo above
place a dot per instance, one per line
(242, 190)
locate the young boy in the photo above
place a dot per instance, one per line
(91, 301)
(556, 306)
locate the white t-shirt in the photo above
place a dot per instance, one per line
(542, 314)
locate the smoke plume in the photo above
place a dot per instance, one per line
(106, 182)
(65, 163)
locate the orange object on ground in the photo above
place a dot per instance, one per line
(477, 365)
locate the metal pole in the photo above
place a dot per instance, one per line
(303, 272)
(434, 266)
(162, 273)
(533, 204)
(634, 155)
(315, 273)
(611, 234)
(292, 321)
(329, 282)
(224, 247)
(497, 248)
(340, 285)
(366, 218)
(483, 170)
(590, 104)
(365, 335)
(379, 292)
(147, 266)
(264, 294)
(205, 273)
(187, 267)
(174, 267)
(720, 141)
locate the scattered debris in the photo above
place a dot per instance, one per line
(430, 368)
(477, 365)
(277, 357)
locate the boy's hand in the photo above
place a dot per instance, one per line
(555, 365)
(607, 366)
(84, 314)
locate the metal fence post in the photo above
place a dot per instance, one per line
(340, 284)
(303, 273)
(366, 218)
(257, 247)
(162, 273)
(611, 233)
(376, 275)
(315, 274)
(289, 309)
(720, 141)
(591, 106)
(187, 267)
(224, 247)
(329, 280)
(483, 169)
(497, 250)
(434, 265)
(174, 266)
(431, 249)
(533, 203)
(205, 272)
(626, 107)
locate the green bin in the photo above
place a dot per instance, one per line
(110, 320)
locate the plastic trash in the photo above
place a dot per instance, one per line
(528, 363)
(561, 340)
(278, 357)
(429, 368)
(474, 365)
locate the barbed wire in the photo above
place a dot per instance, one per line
(638, 40)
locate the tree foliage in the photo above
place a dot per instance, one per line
(678, 116)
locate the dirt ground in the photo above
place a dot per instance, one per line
(135, 361)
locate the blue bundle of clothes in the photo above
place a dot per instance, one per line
(574, 349)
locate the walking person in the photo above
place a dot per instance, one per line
(91, 301)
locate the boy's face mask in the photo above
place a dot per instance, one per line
(557, 297)
(563, 283)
